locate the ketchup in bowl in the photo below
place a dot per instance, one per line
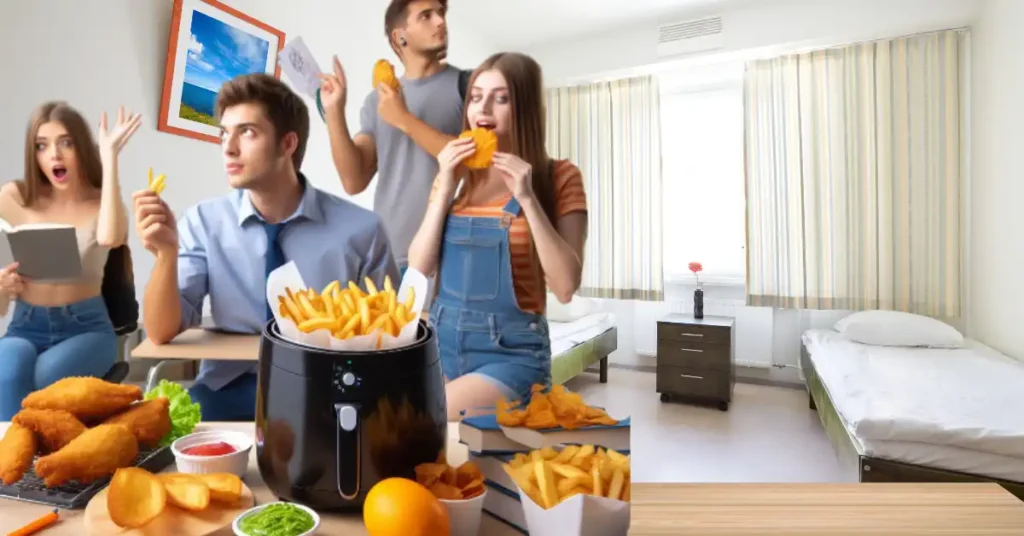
(219, 448)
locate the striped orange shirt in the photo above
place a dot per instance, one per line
(526, 278)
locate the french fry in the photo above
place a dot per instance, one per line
(156, 185)
(548, 476)
(347, 310)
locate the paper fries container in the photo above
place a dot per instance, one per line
(578, 515)
(288, 277)
(465, 515)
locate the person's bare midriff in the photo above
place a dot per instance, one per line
(54, 295)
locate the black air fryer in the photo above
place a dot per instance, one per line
(331, 424)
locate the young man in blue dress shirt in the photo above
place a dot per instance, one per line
(223, 248)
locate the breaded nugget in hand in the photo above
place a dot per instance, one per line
(88, 399)
(149, 421)
(53, 427)
(95, 454)
(17, 449)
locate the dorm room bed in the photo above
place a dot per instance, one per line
(918, 414)
(578, 344)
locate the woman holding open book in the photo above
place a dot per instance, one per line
(514, 231)
(62, 328)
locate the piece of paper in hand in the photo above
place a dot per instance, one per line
(300, 66)
(579, 515)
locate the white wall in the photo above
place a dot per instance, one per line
(769, 27)
(101, 54)
(997, 254)
(765, 336)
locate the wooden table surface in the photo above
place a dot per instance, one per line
(15, 514)
(198, 344)
(824, 509)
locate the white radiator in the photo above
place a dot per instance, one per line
(754, 326)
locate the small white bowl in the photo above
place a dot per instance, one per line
(237, 462)
(465, 515)
(243, 515)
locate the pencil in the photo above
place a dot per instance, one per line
(37, 525)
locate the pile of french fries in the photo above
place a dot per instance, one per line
(136, 497)
(348, 311)
(549, 476)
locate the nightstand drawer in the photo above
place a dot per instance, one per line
(694, 354)
(693, 333)
(693, 381)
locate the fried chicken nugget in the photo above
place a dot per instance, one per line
(95, 454)
(384, 73)
(88, 399)
(53, 427)
(486, 144)
(17, 449)
(149, 421)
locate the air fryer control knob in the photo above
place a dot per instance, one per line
(348, 378)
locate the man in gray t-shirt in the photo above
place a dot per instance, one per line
(401, 132)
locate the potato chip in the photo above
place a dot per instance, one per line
(450, 483)
(486, 145)
(549, 476)
(135, 497)
(556, 408)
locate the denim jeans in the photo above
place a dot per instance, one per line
(46, 344)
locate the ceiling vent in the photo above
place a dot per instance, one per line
(691, 36)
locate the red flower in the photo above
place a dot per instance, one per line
(696, 267)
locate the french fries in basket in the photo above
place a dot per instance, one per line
(549, 476)
(348, 311)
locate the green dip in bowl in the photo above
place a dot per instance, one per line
(277, 519)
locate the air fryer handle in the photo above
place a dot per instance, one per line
(348, 462)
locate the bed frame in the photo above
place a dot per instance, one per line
(581, 357)
(871, 469)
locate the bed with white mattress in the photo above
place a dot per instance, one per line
(581, 336)
(919, 414)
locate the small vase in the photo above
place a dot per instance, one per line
(698, 303)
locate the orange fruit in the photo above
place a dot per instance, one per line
(384, 73)
(486, 144)
(403, 507)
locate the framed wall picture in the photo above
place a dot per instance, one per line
(210, 43)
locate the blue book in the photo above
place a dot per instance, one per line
(482, 434)
(504, 505)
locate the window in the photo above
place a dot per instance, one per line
(703, 211)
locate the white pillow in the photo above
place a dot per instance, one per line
(576, 309)
(893, 328)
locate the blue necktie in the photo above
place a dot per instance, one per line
(275, 255)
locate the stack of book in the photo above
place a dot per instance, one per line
(490, 447)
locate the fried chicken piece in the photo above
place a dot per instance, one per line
(95, 454)
(53, 427)
(149, 421)
(17, 449)
(88, 399)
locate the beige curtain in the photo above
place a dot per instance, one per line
(612, 131)
(854, 177)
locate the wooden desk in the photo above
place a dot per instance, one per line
(824, 509)
(199, 344)
(15, 514)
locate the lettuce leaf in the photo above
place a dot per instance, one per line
(185, 414)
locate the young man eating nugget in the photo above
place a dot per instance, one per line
(404, 123)
(224, 248)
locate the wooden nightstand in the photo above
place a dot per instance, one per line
(695, 358)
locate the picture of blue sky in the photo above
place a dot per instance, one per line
(217, 52)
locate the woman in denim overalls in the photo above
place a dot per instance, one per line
(501, 240)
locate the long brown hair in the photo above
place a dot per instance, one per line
(86, 151)
(528, 131)
(529, 123)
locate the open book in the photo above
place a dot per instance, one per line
(43, 251)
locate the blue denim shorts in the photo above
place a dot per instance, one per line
(513, 351)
